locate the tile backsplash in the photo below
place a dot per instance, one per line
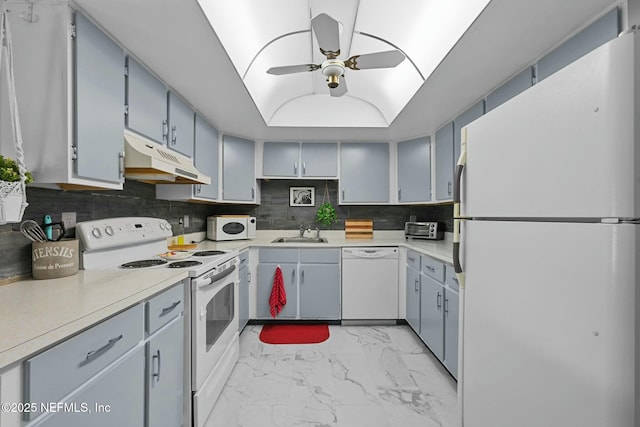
(138, 199)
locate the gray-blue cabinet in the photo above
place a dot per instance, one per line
(311, 279)
(243, 290)
(146, 103)
(445, 162)
(414, 170)
(319, 159)
(165, 382)
(300, 160)
(206, 159)
(451, 316)
(281, 159)
(238, 168)
(115, 398)
(413, 299)
(472, 113)
(364, 172)
(99, 100)
(431, 312)
(320, 291)
(181, 125)
(517, 84)
(266, 276)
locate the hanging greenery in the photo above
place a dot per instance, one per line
(326, 214)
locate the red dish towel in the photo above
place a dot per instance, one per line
(278, 297)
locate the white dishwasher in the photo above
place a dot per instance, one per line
(369, 283)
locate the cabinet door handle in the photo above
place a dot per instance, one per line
(343, 194)
(295, 168)
(301, 277)
(438, 302)
(174, 135)
(417, 286)
(249, 277)
(449, 188)
(304, 168)
(165, 131)
(293, 275)
(168, 310)
(446, 305)
(93, 354)
(454, 279)
(399, 193)
(253, 193)
(411, 259)
(121, 164)
(156, 374)
(431, 269)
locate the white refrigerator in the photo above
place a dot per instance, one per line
(548, 249)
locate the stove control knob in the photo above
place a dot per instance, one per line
(109, 230)
(96, 233)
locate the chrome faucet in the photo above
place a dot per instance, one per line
(305, 228)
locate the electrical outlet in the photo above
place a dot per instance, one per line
(69, 221)
(185, 221)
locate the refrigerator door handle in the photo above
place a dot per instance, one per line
(460, 164)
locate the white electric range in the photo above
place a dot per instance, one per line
(141, 243)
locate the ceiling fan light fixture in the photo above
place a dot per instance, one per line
(333, 69)
(334, 81)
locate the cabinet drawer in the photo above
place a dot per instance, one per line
(54, 373)
(279, 255)
(413, 259)
(450, 278)
(243, 258)
(432, 268)
(320, 256)
(164, 307)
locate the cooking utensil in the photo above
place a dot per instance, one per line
(47, 227)
(32, 231)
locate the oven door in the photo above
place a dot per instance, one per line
(214, 321)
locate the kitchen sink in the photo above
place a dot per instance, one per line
(300, 240)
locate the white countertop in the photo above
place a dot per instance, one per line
(35, 314)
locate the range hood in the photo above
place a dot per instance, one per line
(150, 162)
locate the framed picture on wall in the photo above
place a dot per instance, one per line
(302, 196)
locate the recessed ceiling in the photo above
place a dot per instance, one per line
(272, 33)
(175, 40)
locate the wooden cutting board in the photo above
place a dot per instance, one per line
(358, 228)
(184, 247)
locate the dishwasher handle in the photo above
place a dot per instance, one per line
(370, 253)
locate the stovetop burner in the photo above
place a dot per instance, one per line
(209, 253)
(143, 263)
(183, 264)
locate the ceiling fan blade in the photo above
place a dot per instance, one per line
(341, 89)
(388, 59)
(327, 33)
(290, 69)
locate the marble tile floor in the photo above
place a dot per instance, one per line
(373, 376)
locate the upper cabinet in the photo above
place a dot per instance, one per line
(70, 93)
(207, 160)
(414, 170)
(157, 113)
(364, 172)
(238, 170)
(444, 162)
(181, 125)
(146, 103)
(300, 160)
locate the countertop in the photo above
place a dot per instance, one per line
(35, 314)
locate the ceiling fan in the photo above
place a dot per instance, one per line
(326, 30)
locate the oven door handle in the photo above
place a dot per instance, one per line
(211, 280)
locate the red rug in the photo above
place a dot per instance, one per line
(294, 334)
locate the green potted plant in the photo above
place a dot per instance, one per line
(12, 191)
(326, 214)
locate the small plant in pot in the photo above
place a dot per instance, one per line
(13, 199)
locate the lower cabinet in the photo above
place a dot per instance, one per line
(432, 307)
(165, 361)
(312, 288)
(127, 370)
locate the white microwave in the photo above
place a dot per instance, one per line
(231, 228)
